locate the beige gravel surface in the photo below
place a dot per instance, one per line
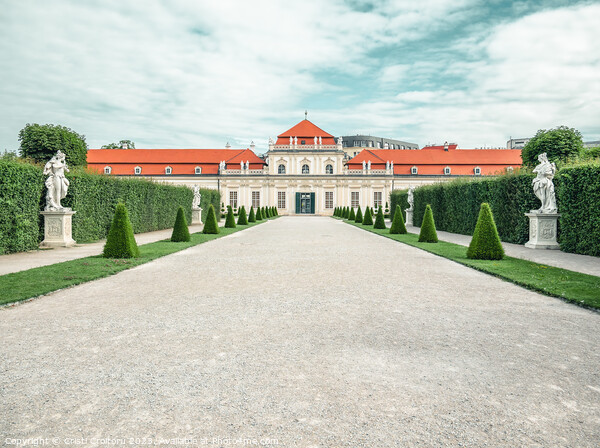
(307, 332)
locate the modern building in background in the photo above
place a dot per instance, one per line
(305, 171)
(517, 143)
(353, 144)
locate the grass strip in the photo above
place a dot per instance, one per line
(24, 285)
(576, 287)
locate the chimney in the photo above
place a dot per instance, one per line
(252, 146)
(445, 146)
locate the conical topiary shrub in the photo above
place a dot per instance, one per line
(379, 220)
(485, 244)
(336, 211)
(368, 218)
(347, 213)
(428, 233)
(243, 218)
(230, 220)
(180, 229)
(398, 225)
(352, 215)
(120, 242)
(359, 216)
(211, 226)
(251, 216)
(259, 216)
(274, 209)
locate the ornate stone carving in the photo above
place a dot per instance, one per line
(411, 198)
(543, 187)
(56, 183)
(197, 198)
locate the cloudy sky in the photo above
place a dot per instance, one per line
(177, 74)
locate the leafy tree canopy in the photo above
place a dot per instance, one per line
(559, 143)
(127, 143)
(40, 142)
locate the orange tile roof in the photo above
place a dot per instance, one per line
(182, 161)
(305, 130)
(434, 160)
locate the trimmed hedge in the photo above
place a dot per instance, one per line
(399, 197)
(230, 220)
(211, 227)
(428, 233)
(398, 226)
(578, 198)
(21, 192)
(485, 244)
(251, 216)
(352, 215)
(359, 216)
(180, 228)
(242, 218)
(121, 242)
(379, 220)
(368, 218)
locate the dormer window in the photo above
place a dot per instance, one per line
(305, 169)
(477, 171)
(107, 170)
(414, 170)
(303, 142)
(168, 170)
(509, 169)
(137, 170)
(198, 170)
(447, 170)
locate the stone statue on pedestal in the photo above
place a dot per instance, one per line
(411, 198)
(56, 183)
(543, 187)
(197, 198)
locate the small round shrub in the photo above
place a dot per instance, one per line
(120, 242)
(379, 220)
(398, 226)
(485, 244)
(180, 229)
(428, 233)
(211, 226)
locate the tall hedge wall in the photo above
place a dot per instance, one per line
(21, 189)
(210, 197)
(456, 204)
(399, 197)
(578, 197)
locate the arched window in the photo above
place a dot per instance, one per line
(198, 170)
(107, 169)
(281, 169)
(138, 170)
(329, 169)
(447, 170)
(414, 170)
(305, 169)
(168, 170)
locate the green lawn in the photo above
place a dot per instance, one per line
(582, 289)
(38, 281)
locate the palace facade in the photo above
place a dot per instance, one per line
(305, 171)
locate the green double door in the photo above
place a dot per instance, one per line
(305, 203)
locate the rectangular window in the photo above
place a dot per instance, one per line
(377, 199)
(256, 199)
(233, 198)
(354, 199)
(281, 199)
(329, 199)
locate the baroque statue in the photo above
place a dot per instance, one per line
(56, 183)
(411, 198)
(543, 187)
(197, 198)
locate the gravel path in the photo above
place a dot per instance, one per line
(308, 332)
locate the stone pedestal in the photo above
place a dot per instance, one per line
(58, 228)
(542, 230)
(196, 216)
(409, 217)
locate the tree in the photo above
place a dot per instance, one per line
(180, 229)
(210, 226)
(559, 143)
(428, 233)
(359, 216)
(485, 244)
(230, 220)
(251, 216)
(368, 218)
(398, 226)
(40, 142)
(127, 143)
(380, 220)
(120, 242)
(242, 218)
(351, 216)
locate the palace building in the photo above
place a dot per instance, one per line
(305, 171)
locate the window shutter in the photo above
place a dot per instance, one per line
(312, 202)
(298, 203)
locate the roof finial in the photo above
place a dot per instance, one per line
(305, 114)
